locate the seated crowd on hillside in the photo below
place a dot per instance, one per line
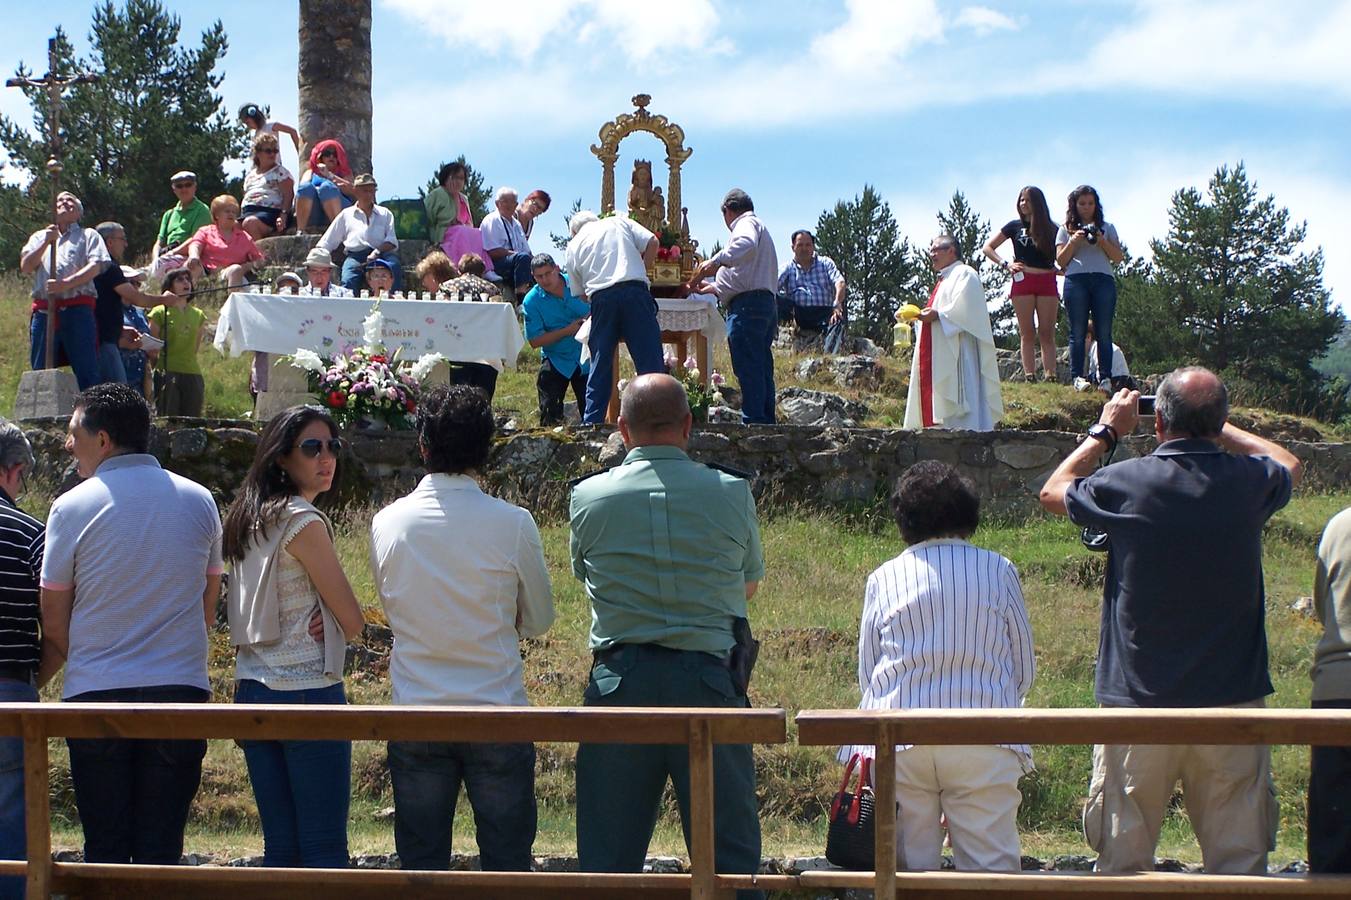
(943, 626)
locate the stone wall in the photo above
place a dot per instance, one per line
(818, 467)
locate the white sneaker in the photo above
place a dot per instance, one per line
(1082, 385)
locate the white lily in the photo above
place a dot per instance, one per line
(424, 365)
(307, 360)
(372, 329)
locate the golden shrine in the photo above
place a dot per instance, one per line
(646, 204)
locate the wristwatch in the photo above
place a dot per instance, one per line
(1104, 432)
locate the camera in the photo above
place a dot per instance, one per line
(1091, 232)
(1146, 405)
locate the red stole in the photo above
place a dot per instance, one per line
(926, 365)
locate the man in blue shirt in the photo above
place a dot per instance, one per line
(1183, 619)
(552, 316)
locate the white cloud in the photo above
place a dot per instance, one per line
(982, 20)
(877, 33)
(1223, 47)
(526, 27)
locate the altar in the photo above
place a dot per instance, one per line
(281, 324)
(285, 323)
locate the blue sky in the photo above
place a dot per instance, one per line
(802, 102)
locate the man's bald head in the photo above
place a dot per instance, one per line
(654, 410)
(1192, 402)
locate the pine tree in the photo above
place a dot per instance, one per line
(154, 111)
(862, 237)
(1248, 302)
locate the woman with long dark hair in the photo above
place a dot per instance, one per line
(291, 613)
(1034, 295)
(1087, 247)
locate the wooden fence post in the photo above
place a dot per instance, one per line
(702, 866)
(37, 801)
(884, 814)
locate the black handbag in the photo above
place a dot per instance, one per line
(849, 837)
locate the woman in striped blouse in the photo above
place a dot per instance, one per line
(944, 626)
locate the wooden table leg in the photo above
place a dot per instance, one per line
(701, 356)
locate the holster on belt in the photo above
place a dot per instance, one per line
(744, 653)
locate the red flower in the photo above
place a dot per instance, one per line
(379, 359)
(337, 398)
(410, 404)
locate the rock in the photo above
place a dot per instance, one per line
(1294, 867)
(807, 369)
(384, 815)
(799, 406)
(854, 370)
(613, 453)
(45, 393)
(248, 862)
(187, 443)
(1304, 607)
(1024, 455)
(864, 347)
(723, 415)
(796, 865)
(1072, 863)
(1030, 864)
(663, 865)
(555, 864)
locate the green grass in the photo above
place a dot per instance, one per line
(806, 612)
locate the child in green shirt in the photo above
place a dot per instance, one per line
(179, 324)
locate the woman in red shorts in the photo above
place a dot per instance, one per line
(1034, 292)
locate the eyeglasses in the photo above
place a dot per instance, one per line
(185, 184)
(314, 446)
(269, 150)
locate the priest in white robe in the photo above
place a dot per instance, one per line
(954, 378)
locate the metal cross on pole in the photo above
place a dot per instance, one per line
(54, 85)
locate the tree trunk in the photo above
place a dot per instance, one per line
(335, 76)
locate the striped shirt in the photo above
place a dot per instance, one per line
(812, 286)
(944, 626)
(21, 539)
(136, 544)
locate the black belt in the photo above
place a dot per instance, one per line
(614, 650)
(17, 672)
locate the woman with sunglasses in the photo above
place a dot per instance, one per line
(291, 612)
(269, 189)
(327, 179)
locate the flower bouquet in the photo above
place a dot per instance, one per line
(364, 384)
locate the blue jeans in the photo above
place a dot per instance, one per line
(515, 271)
(110, 363)
(133, 795)
(627, 312)
(752, 321)
(320, 190)
(76, 334)
(303, 788)
(500, 782)
(13, 834)
(354, 270)
(1090, 293)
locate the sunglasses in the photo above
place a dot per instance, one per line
(314, 446)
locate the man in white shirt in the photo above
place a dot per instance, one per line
(747, 276)
(506, 243)
(607, 265)
(365, 231)
(462, 579)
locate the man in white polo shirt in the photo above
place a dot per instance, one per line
(130, 580)
(607, 265)
(462, 579)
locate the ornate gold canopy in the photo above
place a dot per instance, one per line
(670, 134)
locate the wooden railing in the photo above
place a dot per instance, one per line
(886, 729)
(698, 729)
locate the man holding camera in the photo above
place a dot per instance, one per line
(1182, 618)
(669, 551)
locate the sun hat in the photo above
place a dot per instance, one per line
(319, 258)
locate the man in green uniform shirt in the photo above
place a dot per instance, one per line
(669, 551)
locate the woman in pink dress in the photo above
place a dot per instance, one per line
(448, 218)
